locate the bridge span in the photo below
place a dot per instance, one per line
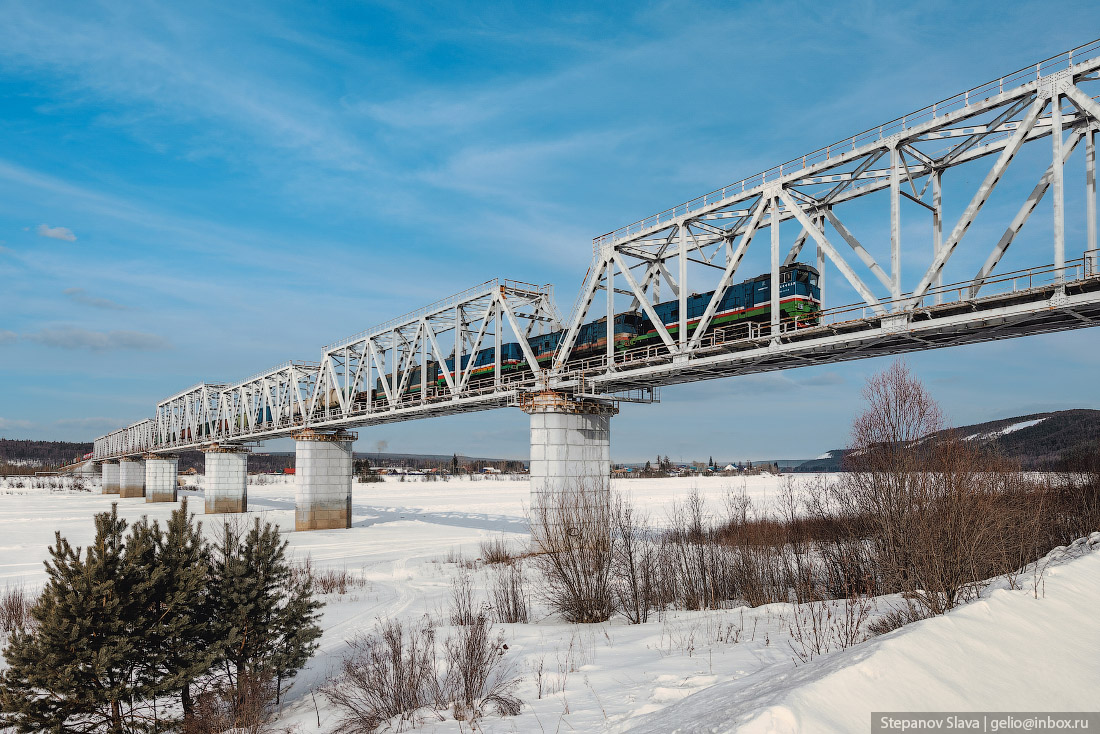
(504, 343)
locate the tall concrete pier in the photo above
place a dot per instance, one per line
(161, 477)
(226, 485)
(110, 477)
(131, 477)
(323, 467)
(570, 456)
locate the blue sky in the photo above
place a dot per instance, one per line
(199, 191)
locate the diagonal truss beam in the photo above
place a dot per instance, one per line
(979, 199)
(727, 275)
(1021, 217)
(823, 242)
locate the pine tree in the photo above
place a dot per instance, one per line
(75, 670)
(182, 645)
(266, 619)
(142, 577)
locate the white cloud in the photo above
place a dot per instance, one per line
(71, 337)
(56, 233)
(79, 295)
(7, 336)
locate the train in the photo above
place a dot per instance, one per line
(745, 302)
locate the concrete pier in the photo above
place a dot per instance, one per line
(110, 477)
(324, 468)
(570, 459)
(131, 477)
(161, 477)
(226, 484)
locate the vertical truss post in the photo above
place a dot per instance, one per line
(498, 329)
(774, 224)
(820, 262)
(895, 226)
(937, 228)
(460, 344)
(1059, 192)
(423, 364)
(1090, 197)
(609, 281)
(683, 294)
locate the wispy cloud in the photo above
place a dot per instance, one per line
(823, 379)
(71, 337)
(79, 295)
(8, 423)
(7, 336)
(91, 422)
(56, 233)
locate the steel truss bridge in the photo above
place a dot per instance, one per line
(698, 247)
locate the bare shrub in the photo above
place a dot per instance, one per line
(571, 533)
(15, 609)
(634, 558)
(394, 674)
(1075, 499)
(495, 550)
(510, 597)
(463, 606)
(895, 619)
(820, 626)
(388, 675)
(478, 681)
(248, 707)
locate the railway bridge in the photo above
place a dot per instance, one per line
(824, 298)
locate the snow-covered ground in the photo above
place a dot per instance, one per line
(717, 671)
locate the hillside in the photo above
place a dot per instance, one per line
(30, 454)
(1036, 440)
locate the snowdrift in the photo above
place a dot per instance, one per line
(1008, 651)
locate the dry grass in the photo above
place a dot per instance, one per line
(510, 599)
(331, 581)
(496, 550)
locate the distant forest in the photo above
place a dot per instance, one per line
(19, 456)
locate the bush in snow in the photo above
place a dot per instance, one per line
(402, 673)
(571, 536)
